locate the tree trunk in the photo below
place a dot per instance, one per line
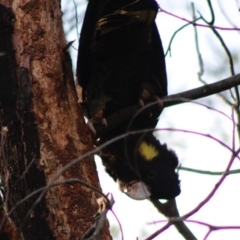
(42, 125)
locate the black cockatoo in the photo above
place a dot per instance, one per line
(121, 63)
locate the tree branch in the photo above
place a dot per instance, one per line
(203, 91)
(169, 210)
(196, 93)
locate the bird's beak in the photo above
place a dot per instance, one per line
(136, 189)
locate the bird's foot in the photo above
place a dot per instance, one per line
(96, 119)
(158, 101)
(147, 96)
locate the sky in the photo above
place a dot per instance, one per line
(194, 151)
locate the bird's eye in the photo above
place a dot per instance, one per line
(152, 173)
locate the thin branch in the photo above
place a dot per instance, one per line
(95, 229)
(226, 15)
(218, 184)
(169, 224)
(169, 210)
(201, 204)
(212, 13)
(236, 171)
(200, 60)
(213, 228)
(219, 37)
(199, 25)
(76, 16)
(175, 33)
(203, 91)
(119, 117)
(73, 162)
(203, 135)
(53, 184)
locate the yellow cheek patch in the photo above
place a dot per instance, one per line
(147, 151)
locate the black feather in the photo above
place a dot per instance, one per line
(120, 54)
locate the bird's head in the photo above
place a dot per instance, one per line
(145, 169)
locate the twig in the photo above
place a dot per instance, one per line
(200, 25)
(219, 37)
(169, 210)
(204, 91)
(213, 227)
(95, 229)
(226, 15)
(236, 171)
(200, 60)
(201, 204)
(175, 33)
(53, 184)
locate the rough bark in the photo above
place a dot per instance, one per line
(46, 129)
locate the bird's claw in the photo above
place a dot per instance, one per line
(104, 122)
(91, 127)
(96, 119)
(147, 97)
